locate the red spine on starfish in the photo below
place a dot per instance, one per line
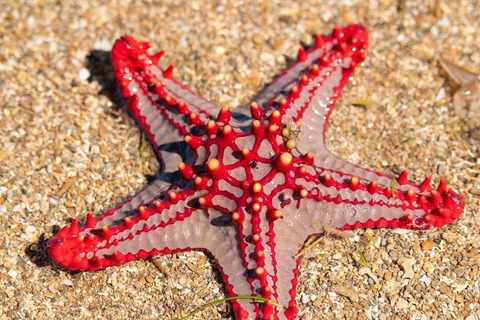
(248, 192)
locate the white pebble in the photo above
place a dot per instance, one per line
(103, 45)
(67, 282)
(13, 273)
(400, 231)
(305, 299)
(195, 6)
(90, 199)
(426, 280)
(30, 229)
(95, 149)
(402, 303)
(84, 74)
(445, 22)
(337, 256)
(219, 50)
(183, 43)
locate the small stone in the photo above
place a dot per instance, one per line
(402, 303)
(13, 273)
(426, 280)
(103, 45)
(427, 245)
(149, 279)
(387, 275)
(346, 292)
(450, 237)
(69, 204)
(67, 282)
(89, 198)
(83, 74)
(113, 279)
(337, 256)
(443, 288)
(219, 50)
(475, 191)
(305, 299)
(258, 38)
(366, 270)
(30, 229)
(406, 265)
(95, 149)
(391, 288)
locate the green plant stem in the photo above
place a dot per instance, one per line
(259, 299)
(364, 261)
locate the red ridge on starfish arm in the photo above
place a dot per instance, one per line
(154, 97)
(248, 192)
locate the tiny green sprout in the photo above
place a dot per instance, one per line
(348, 299)
(321, 255)
(393, 187)
(364, 261)
(258, 299)
(363, 103)
(142, 150)
(316, 224)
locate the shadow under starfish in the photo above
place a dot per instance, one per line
(251, 189)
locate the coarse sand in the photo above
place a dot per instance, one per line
(68, 147)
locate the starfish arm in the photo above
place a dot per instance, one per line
(289, 237)
(311, 101)
(347, 202)
(144, 226)
(234, 269)
(318, 76)
(314, 57)
(238, 272)
(339, 167)
(343, 205)
(165, 109)
(146, 196)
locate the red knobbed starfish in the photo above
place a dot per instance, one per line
(248, 189)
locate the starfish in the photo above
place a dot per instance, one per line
(249, 188)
